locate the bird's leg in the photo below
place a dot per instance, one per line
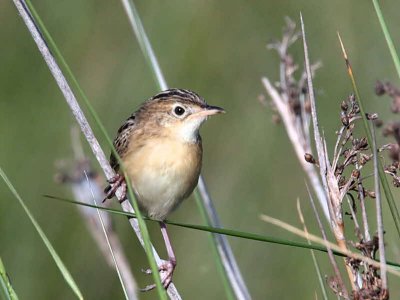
(168, 266)
(114, 183)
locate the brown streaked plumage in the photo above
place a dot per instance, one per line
(161, 150)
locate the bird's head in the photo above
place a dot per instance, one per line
(178, 112)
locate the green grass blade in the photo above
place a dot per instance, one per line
(63, 269)
(6, 290)
(142, 224)
(224, 231)
(387, 35)
(388, 193)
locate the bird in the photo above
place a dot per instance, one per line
(160, 148)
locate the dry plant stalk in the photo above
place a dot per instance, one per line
(341, 177)
(291, 105)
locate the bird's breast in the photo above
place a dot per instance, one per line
(163, 172)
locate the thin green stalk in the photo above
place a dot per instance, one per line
(224, 231)
(388, 193)
(388, 38)
(6, 290)
(63, 269)
(142, 224)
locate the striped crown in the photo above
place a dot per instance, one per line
(179, 94)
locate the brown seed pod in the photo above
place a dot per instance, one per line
(344, 118)
(371, 116)
(380, 88)
(355, 173)
(344, 106)
(309, 158)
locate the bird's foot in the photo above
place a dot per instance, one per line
(166, 270)
(114, 183)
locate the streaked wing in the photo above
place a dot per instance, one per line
(122, 140)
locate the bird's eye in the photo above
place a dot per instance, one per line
(179, 110)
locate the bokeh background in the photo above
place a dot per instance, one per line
(217, 48)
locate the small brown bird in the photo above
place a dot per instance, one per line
(161, 150)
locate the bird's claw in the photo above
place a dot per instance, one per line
(168, 268)
(114, 184)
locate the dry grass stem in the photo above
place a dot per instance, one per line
(328, 177)
(342, 176)
(328, 244)
(290, 100)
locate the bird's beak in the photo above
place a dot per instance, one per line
(208, 110)
(213, 110)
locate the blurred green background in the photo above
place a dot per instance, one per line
(217, 48)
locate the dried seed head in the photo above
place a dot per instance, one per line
(344, 106)
(355, 142)
(344, 118)
(391, 169)
(370, 194)
(380, 88)
(342, 181)
(355, 173)
(364, 158)
(373, 116)
(363, 143)
(309, 158)
(295, 103)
